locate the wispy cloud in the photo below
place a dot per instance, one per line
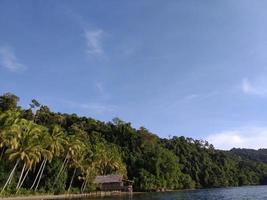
(100, 87)
(101, 90)
(200, 96)
(191, 96)
(94, 107)
(99, 108)
(187, 99)
(9, 60)
(247, 137)
(258, 87)
(94, 41)
(93, 36)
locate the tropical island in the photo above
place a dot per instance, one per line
(45, 152)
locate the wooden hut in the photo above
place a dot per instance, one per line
(113, 183)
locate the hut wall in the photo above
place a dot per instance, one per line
(111, 186)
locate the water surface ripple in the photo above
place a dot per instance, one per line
(236, 193)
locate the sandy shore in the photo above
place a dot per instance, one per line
(65, 196)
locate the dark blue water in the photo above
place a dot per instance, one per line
(237, 193)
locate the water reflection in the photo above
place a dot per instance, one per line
(241, 193)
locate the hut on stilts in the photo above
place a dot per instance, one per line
(113, 183)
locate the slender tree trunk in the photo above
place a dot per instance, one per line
(65, 167)
(34, 169)
(26, 174)
(73, 175)
(2, 152)
(40, 169)
(40, 177)
(10, 176)
(63, 164)
(84, 186)
(21, 175)
(61, 168)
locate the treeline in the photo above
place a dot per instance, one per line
(44, 151)
(259, 155)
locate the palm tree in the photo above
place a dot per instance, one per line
(24, 148)
(47, 156)
(77, 161)
(53, 147)
(2, 143)
(87, 167)
(89, 173)
(42, 149)
(6, 120)
(107, 160)
(74, 147)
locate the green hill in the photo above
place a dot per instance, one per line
(56, 152)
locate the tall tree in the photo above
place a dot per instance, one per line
(8, 101)
(26, 135)
(53, 147)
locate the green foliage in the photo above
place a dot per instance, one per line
(50, 182)
(64, 152)
(8, 101)
(107, 160)
(259, 155)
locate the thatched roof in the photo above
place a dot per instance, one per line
(109, 179)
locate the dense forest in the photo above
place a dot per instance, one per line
(46, 152)
(259, 155)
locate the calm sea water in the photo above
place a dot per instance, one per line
(237, 193)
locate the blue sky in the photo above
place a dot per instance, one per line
(192, 68)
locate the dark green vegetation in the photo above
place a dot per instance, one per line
(249, 154)
(43, 151)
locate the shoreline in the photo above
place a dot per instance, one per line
(98, 194)
(68, 196)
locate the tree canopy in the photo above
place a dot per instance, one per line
(69, 151)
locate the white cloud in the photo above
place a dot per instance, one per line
(258, 87)
(94, 41)
(98, 108)
(100, 87)
(248, 137)
(94, 107)
(201, 96)
(247, 87)
(9, 61)
(191, 96)
(101, 91)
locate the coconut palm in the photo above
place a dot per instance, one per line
(24, 148)
(47, 156)
(107, 160)
(80, 161)
(58, 141)
(74, 146)
(53, 147)
(6, 120)
(89, 173)
(75, 163)
(42, 149)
